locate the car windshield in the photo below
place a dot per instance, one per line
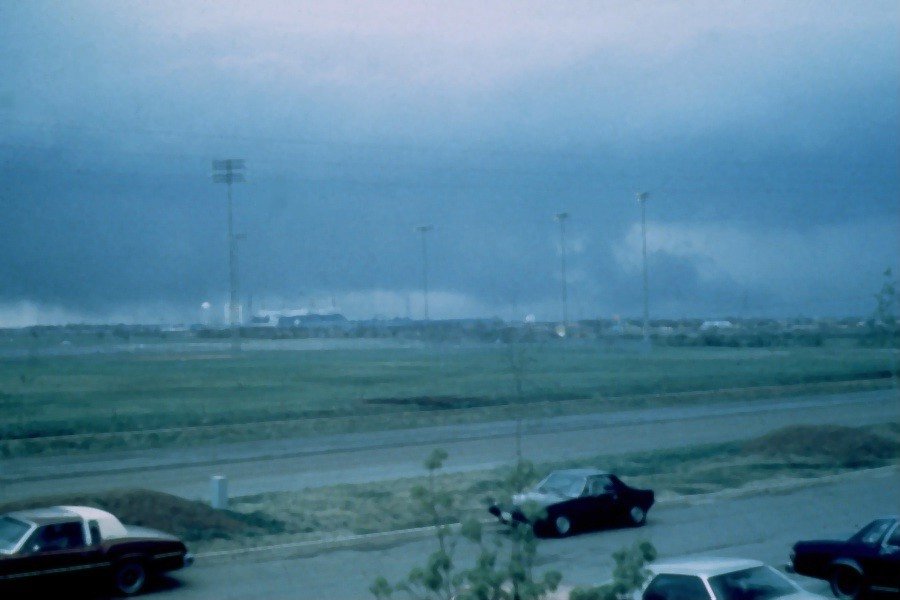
(11, 532)
(871, 533)
(758, 583)
(562, 484)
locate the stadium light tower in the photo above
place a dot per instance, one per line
(230, 171)
(424, 229)
(642, 201)
(561, 219)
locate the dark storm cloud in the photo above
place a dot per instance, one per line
(359, 125)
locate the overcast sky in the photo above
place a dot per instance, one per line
(765, 133)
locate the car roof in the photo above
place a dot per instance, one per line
(87, 512)
(45, 515)
(581, 472)
(704, 566)
(110, 526)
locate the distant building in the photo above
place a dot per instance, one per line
(711, 325)
(313, 320)
(299, 318)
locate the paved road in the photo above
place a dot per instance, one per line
(295, 464)
(762, 527)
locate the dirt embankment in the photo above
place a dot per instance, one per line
(847, 447)
(188, 519)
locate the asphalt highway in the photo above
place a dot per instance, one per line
(762, 526)
(295, 464)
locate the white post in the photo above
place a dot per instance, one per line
(219, 489)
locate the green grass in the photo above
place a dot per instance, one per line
(217, 434)
(175, 387)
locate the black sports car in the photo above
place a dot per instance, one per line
(577, 499)
(868, 561)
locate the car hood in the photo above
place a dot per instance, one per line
(540, 498)
(820, 545)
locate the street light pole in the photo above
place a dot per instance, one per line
(561, 219)
(642, 200)
(230, 171)
(424, 229)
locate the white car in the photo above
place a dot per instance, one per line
(720, 579)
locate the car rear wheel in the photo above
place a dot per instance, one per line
(129, 577)
(637, 516)
(562, 525)
(846, 583)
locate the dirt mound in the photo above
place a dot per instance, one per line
(189, 520)
(843, 446)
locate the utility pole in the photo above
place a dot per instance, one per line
(561, 219)
(230, 171)
(642, 200)
(424, 229)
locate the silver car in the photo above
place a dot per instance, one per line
(720, 579)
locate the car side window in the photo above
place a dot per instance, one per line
(873, 532)
(94, 529)
(60, 536)
(676, 587)
(894, 540)
(600, 485)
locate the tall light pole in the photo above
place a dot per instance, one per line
(230, 171)
(642, 201)
(424, 229)
(561, 219)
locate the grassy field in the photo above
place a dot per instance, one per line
(42, 395)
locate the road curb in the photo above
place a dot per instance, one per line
(306, 548)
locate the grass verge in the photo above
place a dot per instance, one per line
(789, 453)
(796, 452)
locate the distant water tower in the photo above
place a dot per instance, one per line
(205, 318)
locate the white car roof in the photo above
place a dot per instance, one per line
(704, 566)
(110, 526)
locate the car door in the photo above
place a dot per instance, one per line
(600, 500)
(883, 568)
(58, 551)
(577, 508)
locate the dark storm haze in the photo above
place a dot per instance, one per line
(765, 134)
